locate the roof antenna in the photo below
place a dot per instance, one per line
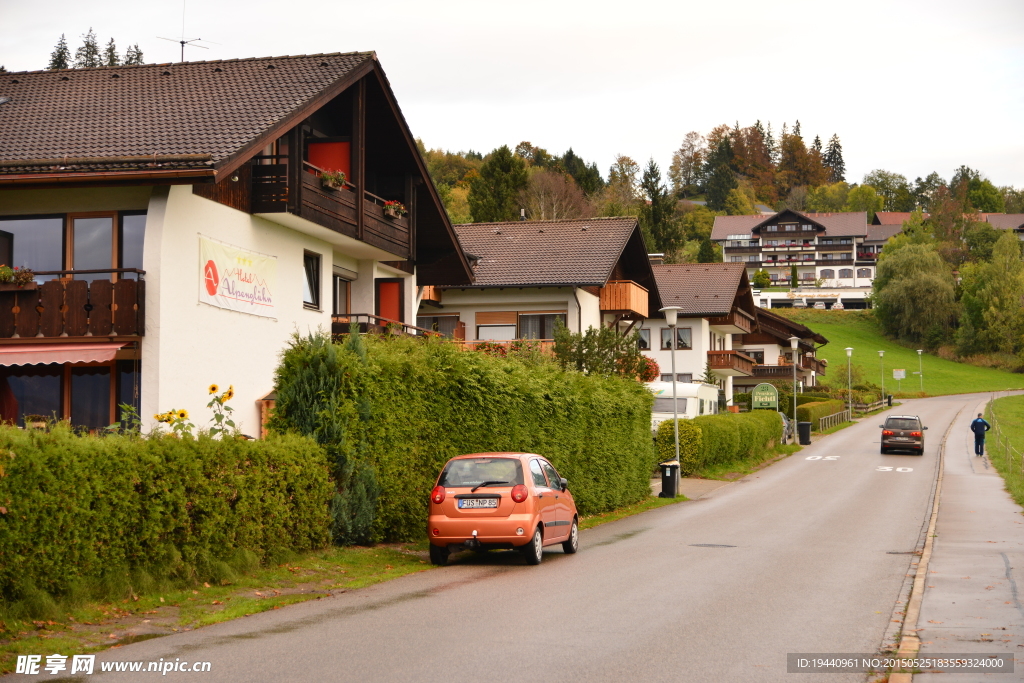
(182, 40)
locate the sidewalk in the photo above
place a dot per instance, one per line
(972, 602)
(691, 487)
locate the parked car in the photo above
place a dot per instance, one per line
(904, 432)
(485, 501)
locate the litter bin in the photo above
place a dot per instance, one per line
(889, 398)
(669, 479)
(804, 429)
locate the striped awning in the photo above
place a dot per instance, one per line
(43, 354)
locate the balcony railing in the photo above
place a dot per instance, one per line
(731, 363)
(624, 296)
(67, 307)
(736, 322)
(374, 324)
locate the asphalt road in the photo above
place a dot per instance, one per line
(809, 555)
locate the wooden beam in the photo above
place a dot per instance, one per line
(359, 152)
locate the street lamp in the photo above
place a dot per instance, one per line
(920, 368)
(882, 362)
(849, 381)
(794, 343)
(672, 318)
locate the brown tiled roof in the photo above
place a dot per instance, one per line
(576, 252)
(881, 233)
(835, 224)
(1006, 221)
(700, 289)
(893, 217)
(209, 110)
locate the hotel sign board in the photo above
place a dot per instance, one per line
(764, 396)
(237, 279)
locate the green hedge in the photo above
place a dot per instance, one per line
(402, 407)
(125, 510)
(719, 439)
(813, 412)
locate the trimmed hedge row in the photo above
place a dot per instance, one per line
(81, 510)
(402, 407)
(813, 412)
(718, 439)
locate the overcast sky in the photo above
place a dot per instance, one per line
(911, 87)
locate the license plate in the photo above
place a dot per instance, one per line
(900, 438)
(465, 503)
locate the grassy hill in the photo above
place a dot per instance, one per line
(859, 330)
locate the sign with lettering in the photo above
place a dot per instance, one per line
(764, 396)
(899, 374)
(237, 279)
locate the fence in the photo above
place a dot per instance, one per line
(867, 407)
(1003, 446)
(830, 421)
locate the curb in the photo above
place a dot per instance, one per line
(910, 644)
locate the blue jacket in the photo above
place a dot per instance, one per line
(979, 427)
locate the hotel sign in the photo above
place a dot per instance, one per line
(764, 396)
(237, 279)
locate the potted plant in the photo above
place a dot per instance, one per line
(333, 180)
(35, 421)
(16, 278)
(394, 209)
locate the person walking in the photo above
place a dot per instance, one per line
(979, 427)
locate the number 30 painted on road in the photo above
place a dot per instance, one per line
(818, 457)
(890, 469)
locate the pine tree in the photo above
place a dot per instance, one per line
(656, 215)
(494, 194)
(834, 160)
(3, 70)
(110, 57)
(133, 55)
(60, 58)
(88, 55)
(769, 144)
(816, 145)
(721, 182)
(706, 253)
(796, 129)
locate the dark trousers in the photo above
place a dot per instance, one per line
(979, 444)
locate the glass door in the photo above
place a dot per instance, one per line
(93, 246)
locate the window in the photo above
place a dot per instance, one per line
(845, 240)
(863, 272)
(92, 245)
(36, 243)
(444, 324)
(539, 326)
(473, 472)
(773, 243)
(644, 340)
(828, 273)
(735, 259)
(340, 295)
(806, 226)
(753, 257)
(680, 377)
(789, 228)
(682, 338)
(90, 397)
(756, 354)
(311, 284)
(667, 405)
(846, 272)
(130, 243)
(825, 241)
(537, 473)
(845, 256)
(554, 480)
(495, 332)
(828, 257)
(771, 228)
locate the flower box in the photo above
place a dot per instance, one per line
(393, 209)
(11, 287)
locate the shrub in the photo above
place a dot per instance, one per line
(813, 412)
(108, 510)
(719, 439)
(415, 403)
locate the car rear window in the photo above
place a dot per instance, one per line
(476, 471)
(902, 423)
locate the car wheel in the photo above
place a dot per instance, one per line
(573, 543)
(534, 550)
(438, 555)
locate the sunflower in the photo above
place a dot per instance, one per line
(229, 394)
(182, 415)
(214, 388)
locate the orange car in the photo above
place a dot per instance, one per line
(485, 501)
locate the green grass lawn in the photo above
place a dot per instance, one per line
(858, 329)
(1005, 442)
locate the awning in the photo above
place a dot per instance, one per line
(32, 354)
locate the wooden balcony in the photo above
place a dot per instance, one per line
(334, 209)
(731, 363)
(624, 297)
(65, 307)
(430, 295)
(737, 322)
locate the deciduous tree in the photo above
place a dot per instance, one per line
(551, 195)
(893, 188)
(864, 198)
(914, 293)
(687, 161)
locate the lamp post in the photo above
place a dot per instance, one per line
(794, 343)
(849, 381)
(920, 368)
(882, 363)
(672, 318)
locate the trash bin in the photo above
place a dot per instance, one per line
(804, 429)
(669, 479)
(889, 398)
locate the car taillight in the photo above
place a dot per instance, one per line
(915, 433)
(520, 493)
(887, 432)
(437, 495)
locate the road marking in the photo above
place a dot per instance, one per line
(819, 457)
(890, 469)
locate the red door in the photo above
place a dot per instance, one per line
(389, 299)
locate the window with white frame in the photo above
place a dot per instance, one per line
(683, 338)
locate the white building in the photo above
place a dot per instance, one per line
(181, 231)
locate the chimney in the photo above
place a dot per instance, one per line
(656, 259)
(522, 214)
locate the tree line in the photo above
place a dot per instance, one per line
(89, 54)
